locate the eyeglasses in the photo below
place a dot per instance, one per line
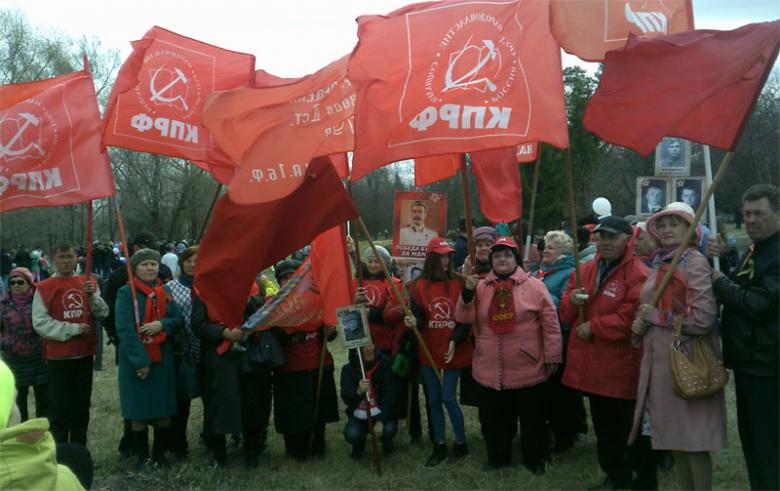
(17, 282)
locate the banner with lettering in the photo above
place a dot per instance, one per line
(50, 153)
(156, 101)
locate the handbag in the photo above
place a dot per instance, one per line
(267, 352)
(699, 375)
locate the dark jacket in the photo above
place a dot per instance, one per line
(750, 311)
(385, 386)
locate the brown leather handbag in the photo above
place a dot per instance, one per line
(700, 374)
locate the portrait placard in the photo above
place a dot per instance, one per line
(673, 157)
(417, 218)
(689, 191)
(353, 326)
(652, 194)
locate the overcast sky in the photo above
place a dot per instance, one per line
(288, 37)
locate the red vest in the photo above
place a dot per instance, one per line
(66, 301)
(378, 294)
(438, 299)
(302, 352)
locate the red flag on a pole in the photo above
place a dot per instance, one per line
(498, 181)
(455, 76)
(156, 101)
(717, 76)
(274, 131)
(589, 28)
(527, 152)
(428, 170)
(332, 271)
(50, 153)
(242, 240)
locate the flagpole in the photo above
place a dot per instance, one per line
(369, 419)
(711, 203)
(573, 227)
(128, 266)
(88, 268)
(692, 229)
(464, 177)
(318, 392)
(207, 218)
(400, 300)
(530, 231)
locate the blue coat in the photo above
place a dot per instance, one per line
(155, 396)
(556, 279)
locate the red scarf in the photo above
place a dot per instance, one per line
(501, 316)
(368, 403)
(674, 299)
(156, 302)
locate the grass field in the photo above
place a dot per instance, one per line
(403, 470)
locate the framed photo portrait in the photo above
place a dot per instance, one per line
(652, 194)
(353, 326)
(673, 157)
(418, 217)
(689, 191)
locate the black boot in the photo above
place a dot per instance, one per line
(438, 456)
(160, 445)
(140, 441)
(251, 448)
(459, 451)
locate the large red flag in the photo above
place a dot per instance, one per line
(244, 239)
(156, 101)
(697, 85)
(589, 28)
(272, 132)
(50, 152)
(498, 181)
(455, 76)
(428, 170)
(332, 271)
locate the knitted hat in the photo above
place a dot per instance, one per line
(485, 233)
(383, 255)
(22, 273)
(7, 393)
(142, 255)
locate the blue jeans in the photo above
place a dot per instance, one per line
(444, 393)
(356, 430)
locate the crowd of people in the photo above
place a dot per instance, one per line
(517, 333)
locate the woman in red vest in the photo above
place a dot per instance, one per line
(434, 296)
(374, 290)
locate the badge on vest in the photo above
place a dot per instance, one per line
(612, 289)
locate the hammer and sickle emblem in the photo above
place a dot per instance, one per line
(159, 95)
(441, 310)
(73, 300)
(468, 79)
(7, 149)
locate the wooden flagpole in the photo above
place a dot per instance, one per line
(88, 267)
(318, 391)
(464, 177)
(207, 218)
(573, 227)
(128, 266)
(370, 420)
(692, 229)
(530, 231)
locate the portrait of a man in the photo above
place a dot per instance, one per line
(353, 323)
(673, 157)
(416, 232)
(418, 217)
(651, 194)
(689, 191)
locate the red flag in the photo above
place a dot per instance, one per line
(589, 28)
(332, 271)
(156, 102)
(244, 239)
(274, 131)
(50, 152)
(455, 76)
(498, 180)
(428, 170)
(717, 76)
(526, 152)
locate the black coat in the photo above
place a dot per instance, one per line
(220, 375)
(750, 314)
(386, 386)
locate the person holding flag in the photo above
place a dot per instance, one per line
(374, 290)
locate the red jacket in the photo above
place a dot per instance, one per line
(379, 292)
(606, 364)
(65, 300)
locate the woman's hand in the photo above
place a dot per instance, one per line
(467, 267)
(639, 327)
(410, 321)
(645, 312)
(360, 295)
(151, 328)
(142, 373)
(233, 335)
(471, 282)
(363, 386)
(450, 352)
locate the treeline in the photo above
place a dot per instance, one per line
(171, 197)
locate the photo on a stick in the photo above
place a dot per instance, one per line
(353, 326)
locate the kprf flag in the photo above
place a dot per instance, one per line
(428, 170)
(527, 152)
(589, 28)
(455, 76)
(157, 98)
(50, 153)
(498, 181)
(717, 76)
(272, 132)
(242, 240)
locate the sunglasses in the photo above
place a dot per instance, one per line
(17, 282)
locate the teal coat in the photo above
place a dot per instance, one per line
(556, 279)
(155, 396)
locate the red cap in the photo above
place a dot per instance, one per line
(439, 245)
(504, 241)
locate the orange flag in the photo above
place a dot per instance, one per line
(274, 131)
(455, 76)
(50, 152)
(589, 28)
(156, 101)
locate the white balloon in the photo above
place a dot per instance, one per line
(602, 207)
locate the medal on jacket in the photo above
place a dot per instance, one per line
(502, 309)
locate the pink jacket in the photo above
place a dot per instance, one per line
(515, 359)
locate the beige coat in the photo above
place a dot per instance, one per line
(692, 425)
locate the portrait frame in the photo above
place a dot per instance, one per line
(353, 326)
(406, 242)
(656, 204)
(695, 183)
(666, 165)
